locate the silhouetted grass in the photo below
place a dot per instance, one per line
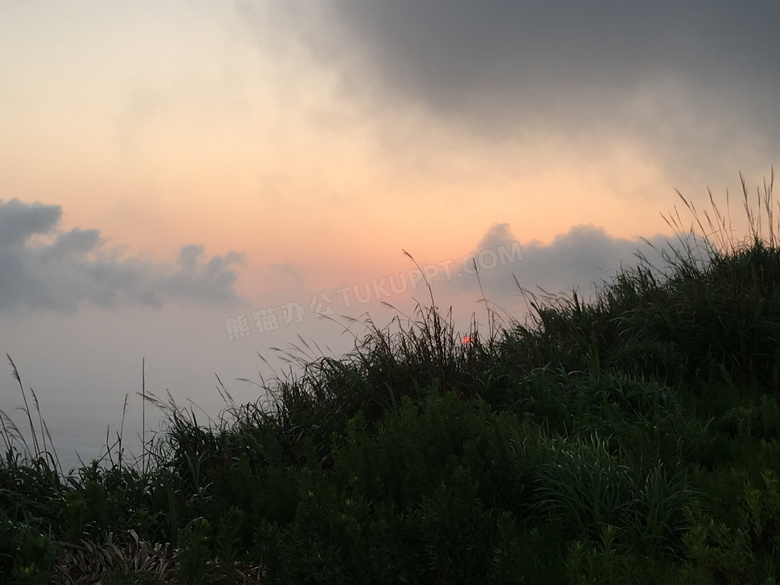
(634, 438)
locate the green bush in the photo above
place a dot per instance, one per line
(634, 438)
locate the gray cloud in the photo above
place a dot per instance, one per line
(74, 267)
(446, 50)
(581, 258)
(692, 81)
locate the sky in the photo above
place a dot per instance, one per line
(190, 184)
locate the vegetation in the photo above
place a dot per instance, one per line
(632, 439)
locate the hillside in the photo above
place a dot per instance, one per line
(631, 439)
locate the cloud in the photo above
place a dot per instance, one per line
(584, 256)
(43, 268)
(19, 221)
(690, 81)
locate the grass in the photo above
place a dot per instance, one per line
(634, 438)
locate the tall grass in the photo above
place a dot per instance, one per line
(41, 446)
(633, 438)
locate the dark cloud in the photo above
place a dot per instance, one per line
(689, 79)
(74, 267)
(448, 50)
